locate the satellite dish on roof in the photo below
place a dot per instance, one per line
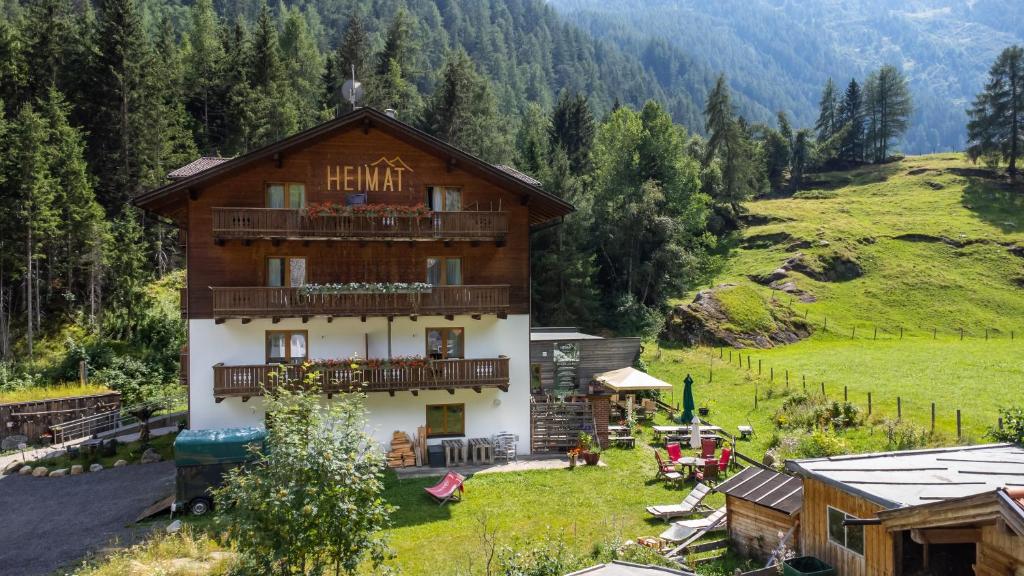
(352, 91)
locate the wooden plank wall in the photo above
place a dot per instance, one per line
(236, 264)
(555, 426)
(754, 530)
(1000, 552)
(33, 419)
(878, 543)
(596, 356)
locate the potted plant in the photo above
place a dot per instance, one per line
(704, 410)
(573, 453)
(589, 448)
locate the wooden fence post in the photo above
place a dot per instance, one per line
(787, 378)
(934, 331)
(758, 366)
(901, 332)
(1000, 423)
(899, 408)
(853, 333)
(755, 396)
(823, 390)
(771, 374)
(825, 329)
(959, 433)
(933, 416)
(730, 356)
(748, 362)
(961, 333)
(869, 403)
(83, 372)
(846, 393)
(986, 333)
(876, 333)
(805, 383)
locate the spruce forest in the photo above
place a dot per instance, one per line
(102, 99)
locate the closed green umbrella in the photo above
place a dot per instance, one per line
(688, 404)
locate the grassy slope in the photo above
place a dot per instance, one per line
(916, 286)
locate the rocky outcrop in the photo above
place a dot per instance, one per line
(830, 267)
(707, 321)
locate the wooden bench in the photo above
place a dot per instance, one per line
(481, 451)
(454, 452)
(624, 441)
(745, 432)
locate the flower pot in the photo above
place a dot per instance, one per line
(704, 411)
(591, 458)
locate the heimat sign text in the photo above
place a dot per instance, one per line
(383, 175)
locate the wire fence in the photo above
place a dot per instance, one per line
(767, 380)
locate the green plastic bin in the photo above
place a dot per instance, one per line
(806, 566)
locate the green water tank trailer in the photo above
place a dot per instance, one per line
(202, 457)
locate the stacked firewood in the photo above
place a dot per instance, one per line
(401, 454)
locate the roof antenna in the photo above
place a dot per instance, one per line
(352, 90)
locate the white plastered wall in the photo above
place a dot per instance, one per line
(487, 413)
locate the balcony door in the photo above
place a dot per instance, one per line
(445, 343)
(444, 198)
(286, 195)
(444, 271)
(285, 272)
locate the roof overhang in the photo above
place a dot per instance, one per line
(543, 205)
(985, 508)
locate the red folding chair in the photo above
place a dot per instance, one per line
(675, 452)
(723, 462)
(448, 489)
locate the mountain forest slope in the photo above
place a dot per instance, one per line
(778, 53)
(939, 249)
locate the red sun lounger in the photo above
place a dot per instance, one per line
(449, 488)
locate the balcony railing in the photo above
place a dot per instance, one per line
(261, 302)
(284, 223)
(253, 380)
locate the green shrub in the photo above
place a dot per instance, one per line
(904, 435)
(805, 412)
(1013, 426)
(821, 443)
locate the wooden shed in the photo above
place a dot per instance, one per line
(876, 514)
(569, 358)
(760, 506)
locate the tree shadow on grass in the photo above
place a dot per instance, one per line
(995, 202)
(414, 505)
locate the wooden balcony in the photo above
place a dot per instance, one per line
(261, 302)
(286, 224)
(248, 381)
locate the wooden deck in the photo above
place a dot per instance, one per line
(285, 223)
(450, 375)
(263, 302)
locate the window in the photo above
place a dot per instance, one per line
(286, 347)
(286, 195)
(849, 537)
(444, 271)
(444, 343)
(446, 420)
(444, 198)
(285, 272)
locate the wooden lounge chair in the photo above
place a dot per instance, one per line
(667, 470)
(448, 489)
(686, 532)
(692, 504)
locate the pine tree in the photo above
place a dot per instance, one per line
(888, 105)
(119, 104)
(826, 125)
(13, 72)
(803, 151)
(304, 68)
(996, 127)
(396, 43)
(851, 119)
(128, 274)
(463, 111)
(47, 28)
(393, 90)
(718, 116)
(354, 50)
(270, 100)
(204, 61)
(573, 129)
(731, 151)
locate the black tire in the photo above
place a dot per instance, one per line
(199, 506)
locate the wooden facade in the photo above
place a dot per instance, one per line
(754, 529)
(596, 355)
(34, 419)
(879, 544)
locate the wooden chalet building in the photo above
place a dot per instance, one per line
(362, 238)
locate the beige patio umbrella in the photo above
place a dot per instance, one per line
(695, 433)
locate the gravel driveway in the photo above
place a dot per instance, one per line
(49, 523)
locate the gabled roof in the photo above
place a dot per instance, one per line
(544, 206)
(983, 508)
(913, 477)
(196, 166)
(766, 488)
(620, 568)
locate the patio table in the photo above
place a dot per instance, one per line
(690, 463)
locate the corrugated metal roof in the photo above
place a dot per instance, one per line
(546, 336)
(196, 166)
(767, 488)
(909, 478)
(511, 171)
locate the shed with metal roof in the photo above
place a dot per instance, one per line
(762, 508)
